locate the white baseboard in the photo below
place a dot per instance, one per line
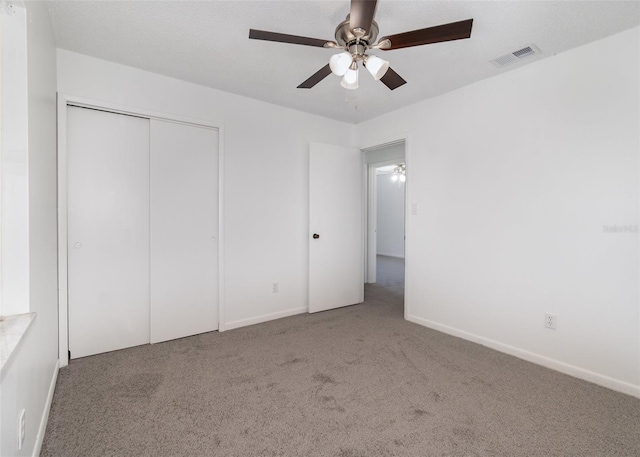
(45, 414)
(571, 370)
(264, 318)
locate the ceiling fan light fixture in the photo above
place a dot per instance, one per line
(357, 34)
(339, 63)
(376, 66)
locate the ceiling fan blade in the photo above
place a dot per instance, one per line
(392, 80)
(361, 15)
(446, 32)
(316, 77)
(284, 38)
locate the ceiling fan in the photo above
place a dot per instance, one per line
(356, 35)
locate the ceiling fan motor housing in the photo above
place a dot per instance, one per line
(357, 50)
(346, 39)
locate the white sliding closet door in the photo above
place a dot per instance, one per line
(184, 230)
(108, 231)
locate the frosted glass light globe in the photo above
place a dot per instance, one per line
(339, 63)
(376, 66)
(350, 80)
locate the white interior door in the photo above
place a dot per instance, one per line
(336, 273)
(184, 230)
(108, 231)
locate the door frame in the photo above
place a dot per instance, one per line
(370, 145)
(65, 100)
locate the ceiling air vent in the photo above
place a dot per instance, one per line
(515, 55)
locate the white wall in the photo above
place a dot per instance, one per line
(26, 380)
(14, 169)
(515, 177)
(390, 216)
(265, 178)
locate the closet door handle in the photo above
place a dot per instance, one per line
(316, 236)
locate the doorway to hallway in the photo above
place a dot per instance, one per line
(386, 203)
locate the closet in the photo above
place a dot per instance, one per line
(142, 230)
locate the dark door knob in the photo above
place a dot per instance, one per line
(316, 236)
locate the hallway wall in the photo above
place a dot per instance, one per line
(390, 216)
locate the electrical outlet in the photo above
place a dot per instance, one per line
(274, 288)
(21, 430)
(550, 321)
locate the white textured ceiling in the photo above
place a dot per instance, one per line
(206, 42)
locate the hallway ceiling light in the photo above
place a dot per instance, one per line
(399, 173)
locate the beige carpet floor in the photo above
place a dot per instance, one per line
(353, 382)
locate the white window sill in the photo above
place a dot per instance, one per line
(12, 331)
